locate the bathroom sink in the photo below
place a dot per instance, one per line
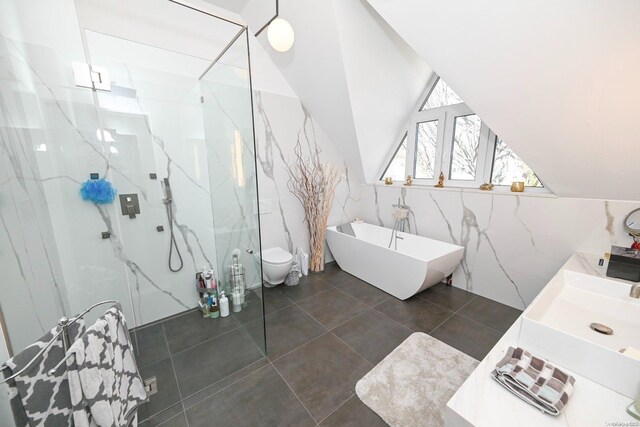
(558, 327)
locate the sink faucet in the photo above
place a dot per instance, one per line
(635, 291)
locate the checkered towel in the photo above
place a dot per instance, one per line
(38, 399)
(534, 380)
(104, 383)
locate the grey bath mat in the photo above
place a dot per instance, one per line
(412, 385)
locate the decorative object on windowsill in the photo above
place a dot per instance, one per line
(388, 180)
(440, 183)
(314, 185)
(487, 186)
(409, 181)
(517, 186)
(98, 191)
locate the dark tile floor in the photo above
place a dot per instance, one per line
(322, 337)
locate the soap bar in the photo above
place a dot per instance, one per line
(632, 352)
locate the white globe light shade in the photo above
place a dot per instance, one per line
(280, 35)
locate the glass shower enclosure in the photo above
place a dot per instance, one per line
(156, 98)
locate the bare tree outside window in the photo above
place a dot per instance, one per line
(450, 138)
(426, 145)
(464, 156)
(441, 96)
(508, 167)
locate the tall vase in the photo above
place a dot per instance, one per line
(316, 247)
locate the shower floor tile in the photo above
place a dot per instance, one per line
(191, 329)
(168, 393)
(150, 344)
(287, 329)
(260, 399)
(205, 364)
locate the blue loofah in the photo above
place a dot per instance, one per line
(99, 191)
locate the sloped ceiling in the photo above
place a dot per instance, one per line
(558, 81)
(384, 78)
(354, 74)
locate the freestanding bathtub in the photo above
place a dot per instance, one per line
(417, 264)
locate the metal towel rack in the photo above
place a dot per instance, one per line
(64, 324)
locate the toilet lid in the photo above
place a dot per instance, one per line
(276, 256)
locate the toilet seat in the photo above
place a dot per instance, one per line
(276, 256)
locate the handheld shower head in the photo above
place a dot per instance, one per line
(167, 191)
(168, 202)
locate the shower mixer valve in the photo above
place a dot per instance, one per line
(129, 205)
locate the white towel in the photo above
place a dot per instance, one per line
(104, 382)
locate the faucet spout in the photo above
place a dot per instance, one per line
(635, 291)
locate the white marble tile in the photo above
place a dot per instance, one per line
(280, 122)
(514, 244)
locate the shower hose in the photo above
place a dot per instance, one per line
(172, 242)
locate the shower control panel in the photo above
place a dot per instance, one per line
(129, 205)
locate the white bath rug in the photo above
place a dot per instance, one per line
(412, 385)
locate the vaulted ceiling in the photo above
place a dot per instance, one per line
(558, 81)
(354, 74)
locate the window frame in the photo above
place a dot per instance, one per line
(392, 157)
(446, 117)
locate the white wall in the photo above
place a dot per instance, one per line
(384, 76)
(558, 81)
(352, 72)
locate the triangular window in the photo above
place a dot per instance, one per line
(396, 168)
(440, 96)
(445, 137)
(508, 167)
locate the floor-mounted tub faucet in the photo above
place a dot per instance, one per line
(401, 216)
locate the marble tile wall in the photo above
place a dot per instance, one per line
(514, 243)
(53, 258)
(280, 122)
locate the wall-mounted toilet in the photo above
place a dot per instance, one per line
(276, 264)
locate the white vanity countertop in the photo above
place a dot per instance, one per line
(482, 402)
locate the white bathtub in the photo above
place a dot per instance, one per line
(417, 264)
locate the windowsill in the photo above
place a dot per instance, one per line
(498, 190)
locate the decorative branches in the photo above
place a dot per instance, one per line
(314, 185)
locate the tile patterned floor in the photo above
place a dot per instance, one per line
(322, 337)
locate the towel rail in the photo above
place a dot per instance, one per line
(64, 324)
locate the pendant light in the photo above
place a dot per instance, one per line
(280, 35)
(279, 32)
